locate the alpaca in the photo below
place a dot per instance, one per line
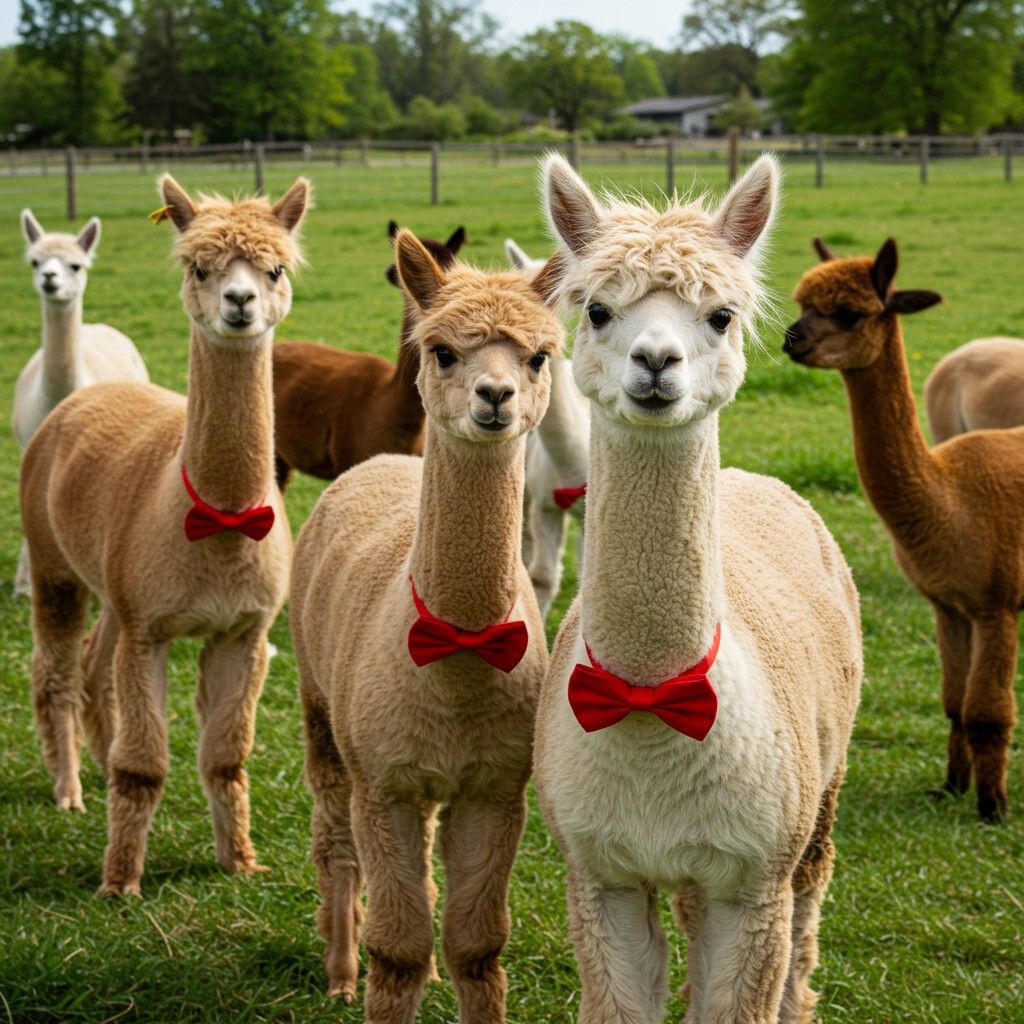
(122, 492)
(334, 409)
(954, 511)
(73, 355)
(716, 606)
(403, 562)
(556, 468)
(979, 386)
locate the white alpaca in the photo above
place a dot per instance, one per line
(73, 355)
(713, 655)
(556, 468)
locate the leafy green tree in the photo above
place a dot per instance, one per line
(30, 99)
(752, 25)
(425, 119)
(637, 68)
(567, 69)
(371, 110)
(719, 69)
(743, 113)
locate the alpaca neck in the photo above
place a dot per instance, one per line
(228, 448)
(465, 557)
(407, 404)
(62, 359)
(651, 593)
(896, 469)
(560, 430)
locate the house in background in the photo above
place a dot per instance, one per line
(688, 115)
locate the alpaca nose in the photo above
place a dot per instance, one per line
(495, 393)
(239, 295)
(794, 333)
(654, 357)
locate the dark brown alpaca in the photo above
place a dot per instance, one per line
(334, 409)
(954, 511)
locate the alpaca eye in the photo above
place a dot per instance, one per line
(35, 264)
(200, 274)
(847, 318)
(76, 267)
(445, 357)
(599, 316)
(275, 274)
(538, 360)
(720, 319)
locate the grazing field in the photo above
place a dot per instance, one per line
(925, 917)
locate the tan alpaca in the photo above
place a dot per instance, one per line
(104, 506)
(681, 555)
(73, 354)
(387, 741)
(979, 386)
(954, 511)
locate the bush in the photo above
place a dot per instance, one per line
(426, 120)
(623, 129)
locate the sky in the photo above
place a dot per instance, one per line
(655, 21)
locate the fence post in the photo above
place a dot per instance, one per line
(71, 163)
(496, 154)
(819, 163)
(734, 153)
(1007, 161)
(435, 173)
(670, 165)
(258, 162)
(925, 147)
(46, 162)
(574, 151)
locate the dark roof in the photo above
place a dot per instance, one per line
(673, 105)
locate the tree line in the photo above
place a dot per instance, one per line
(119, 71)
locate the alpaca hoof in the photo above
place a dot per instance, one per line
(68, 799)
(432, 972)
(113, 890)
(248, 867)
(346, 991)
(993, 810)
(947, 790)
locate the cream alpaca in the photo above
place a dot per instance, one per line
(556, 459)
(979, 386)
(72, 355)
(104, 503)
(737, 826)
(387, 742)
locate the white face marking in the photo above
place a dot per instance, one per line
(57, 278)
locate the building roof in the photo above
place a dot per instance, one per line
(672, 105)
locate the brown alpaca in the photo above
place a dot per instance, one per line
(334, 409)
(979, 386)
(954, 512)
(106, 510)
(388, 741)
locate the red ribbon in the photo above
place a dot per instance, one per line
(204, 520)
(431, 639)
(566, 497)
(687, 703)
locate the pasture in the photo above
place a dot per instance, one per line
(924, 921)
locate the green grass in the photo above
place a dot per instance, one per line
(924, 921)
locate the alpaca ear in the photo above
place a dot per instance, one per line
(824, 252)
(89, 237)
(912, 301)
(572, 210)
(30, 227)
(516, 256)
(392, 228)
(749, 206)
(883, 270)
(457, 241)
(547, 282)
(180, 207)
(292, 206)
(418, 271)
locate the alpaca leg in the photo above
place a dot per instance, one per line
(690, 906)
(339, 876)
(479, 839)
(954, 635)
(23, 574)
(99, 712)
(138, 759)
(58, 621)
(746, 946)
(620, 950)
(398, 930)
(547, 536)
(231, 674)
(990, 709)
(810, 880)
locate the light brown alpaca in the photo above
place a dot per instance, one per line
(334, 409)
(954, 511)
(728, 803)
(104, 504)
(387, 741)
(979, 386)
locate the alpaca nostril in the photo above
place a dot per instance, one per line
(494, 395)
(655, 361)
(239, 298)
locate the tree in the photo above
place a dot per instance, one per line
(567, 69)
(637, 68)
(30, 106)
(752, 25)
(719, 69)
(743, 113)
(371, 109)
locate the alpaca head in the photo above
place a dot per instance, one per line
(60, 263)
(666, 294)
(485, 340)
(843, 303)
(520, 259)
(443, 252)
(236, 256)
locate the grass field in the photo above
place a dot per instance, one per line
(924, 921)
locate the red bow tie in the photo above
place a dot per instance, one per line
(688, 703)
(431, 639)
(566, 497)
(204, 520)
